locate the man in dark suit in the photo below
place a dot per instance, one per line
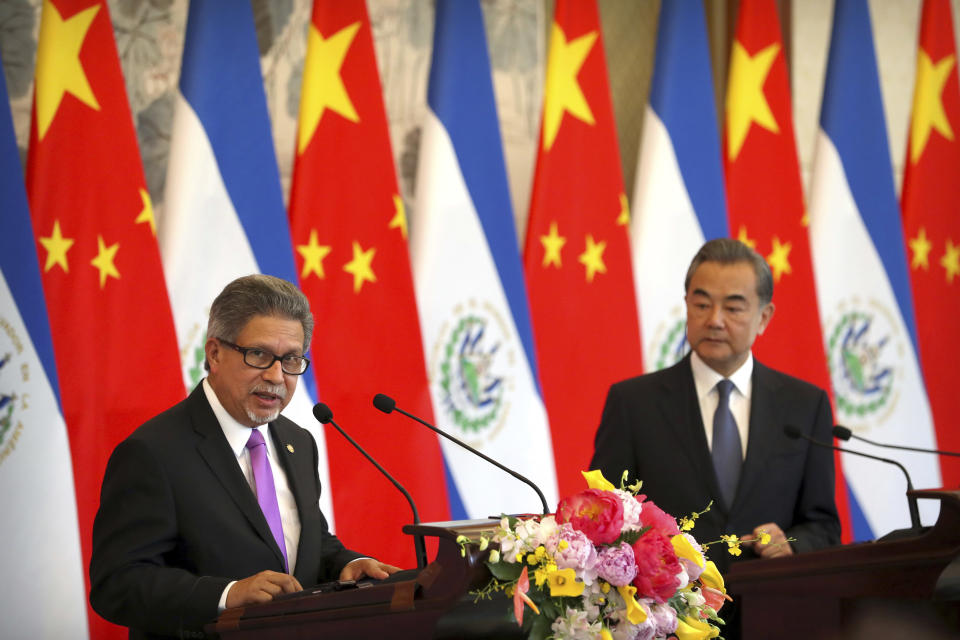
(214, 503)
(711, 427)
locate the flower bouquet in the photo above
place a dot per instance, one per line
(608, 565)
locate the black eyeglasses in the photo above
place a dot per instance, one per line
(260, 359)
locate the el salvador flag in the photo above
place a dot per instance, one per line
(223, 215)
(862, 283)
(469, 282)
(679, 199)
(40, 554)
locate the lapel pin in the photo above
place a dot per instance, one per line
(290, 448)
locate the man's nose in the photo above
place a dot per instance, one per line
(715, 319)
(274, 373)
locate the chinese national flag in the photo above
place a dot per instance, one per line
(765, 197)
(577, 254)
(931, 222)
(110, 319)
(350, 234)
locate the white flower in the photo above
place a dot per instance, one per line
(575, 625)
(631, 510)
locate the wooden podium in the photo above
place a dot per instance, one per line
(432, 603)
(837, 591)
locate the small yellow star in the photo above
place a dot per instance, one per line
(399, 220)
(360, 266)
(58, 62)
(746, 102)
(57, 247)
(928, 112)
(779, 258)
(104, 260)
(592, 257)
(313, 254)
(624, 217)
(146, 214)
(562, 92)
(921, 250)
(745, 239)
(552, 245)
(951, 260)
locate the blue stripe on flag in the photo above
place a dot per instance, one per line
(852, 116)
(681, 93)
(861, 528)
(460, 93)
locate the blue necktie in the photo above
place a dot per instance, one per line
(727, 454)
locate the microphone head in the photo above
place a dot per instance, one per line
(841, 432)
(322, 413)
(792, 431)
(384, 403)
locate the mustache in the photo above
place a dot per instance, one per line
(278, 390)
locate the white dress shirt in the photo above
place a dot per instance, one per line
(705, 379)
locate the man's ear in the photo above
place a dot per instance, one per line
(766, 314)
(214, 353)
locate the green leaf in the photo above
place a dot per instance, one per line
(541, 628)
(505, 572)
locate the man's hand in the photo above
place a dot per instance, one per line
(775, 547)
(262, 587)
(367, 567)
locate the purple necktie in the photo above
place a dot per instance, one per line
(266, 492)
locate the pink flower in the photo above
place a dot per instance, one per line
(657, 565)
(713, 598)
(598, 514)
(655, 517)
(616, 565)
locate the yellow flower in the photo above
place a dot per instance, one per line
(635, 613)
(564, 583)
(605, 634)
(484, 543)
(686, 524)
(541, 552)
(605, 587)
(733, 544)
(595, 480)
(494, 556)
(692, 629)
(711, 577)
(540, 576)
(683, 549)
(532, 558)
(519, 557)
(764, 537)
(563, 545)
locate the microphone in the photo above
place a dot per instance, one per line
(388, 405)
(843, 433)
(793, 432)
(324, 415)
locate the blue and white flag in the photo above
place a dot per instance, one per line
(223, 215)
(469, 282)
(679, 200)
(862, 283)
(40, 554)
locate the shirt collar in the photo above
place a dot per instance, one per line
(237, 434)
(705, 378)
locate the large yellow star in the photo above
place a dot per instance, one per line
(58, 62)
(399, 220)
(104, 260)
(779, 258)
(951, 260)
(146, 214)
(592, 257)
(57, 247)
(624, 217)
(745, 239)
(746, 102)
(562, 92)
(322, 86)
(928, 112)
(360, 266)
(921, 250)
(313, 254)
(552, 245)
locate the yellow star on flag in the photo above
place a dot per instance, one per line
(146, 214)
(104, 260)
(746, 102)
(399, 220)
(624, 218)
(778, 258)
(928, 112)
(951, 260)
(360, 266)
(552, 244)
(592, 257)
(323, 86)
(745, 239)
(57, 247)
(313, 254)
(58, 63)
(921, 250)
(562, 92)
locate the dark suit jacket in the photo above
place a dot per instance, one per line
(178, 521)
(651, 426)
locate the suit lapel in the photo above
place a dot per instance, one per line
(298, 466)
(764, 430)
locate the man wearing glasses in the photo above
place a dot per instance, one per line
(214, 503)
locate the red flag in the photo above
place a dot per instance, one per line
(110, 319)
(931, 225)
(349, 231)
(577, 255)
(765, 198)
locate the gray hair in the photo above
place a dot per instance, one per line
(730, 251)
(257, 295)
